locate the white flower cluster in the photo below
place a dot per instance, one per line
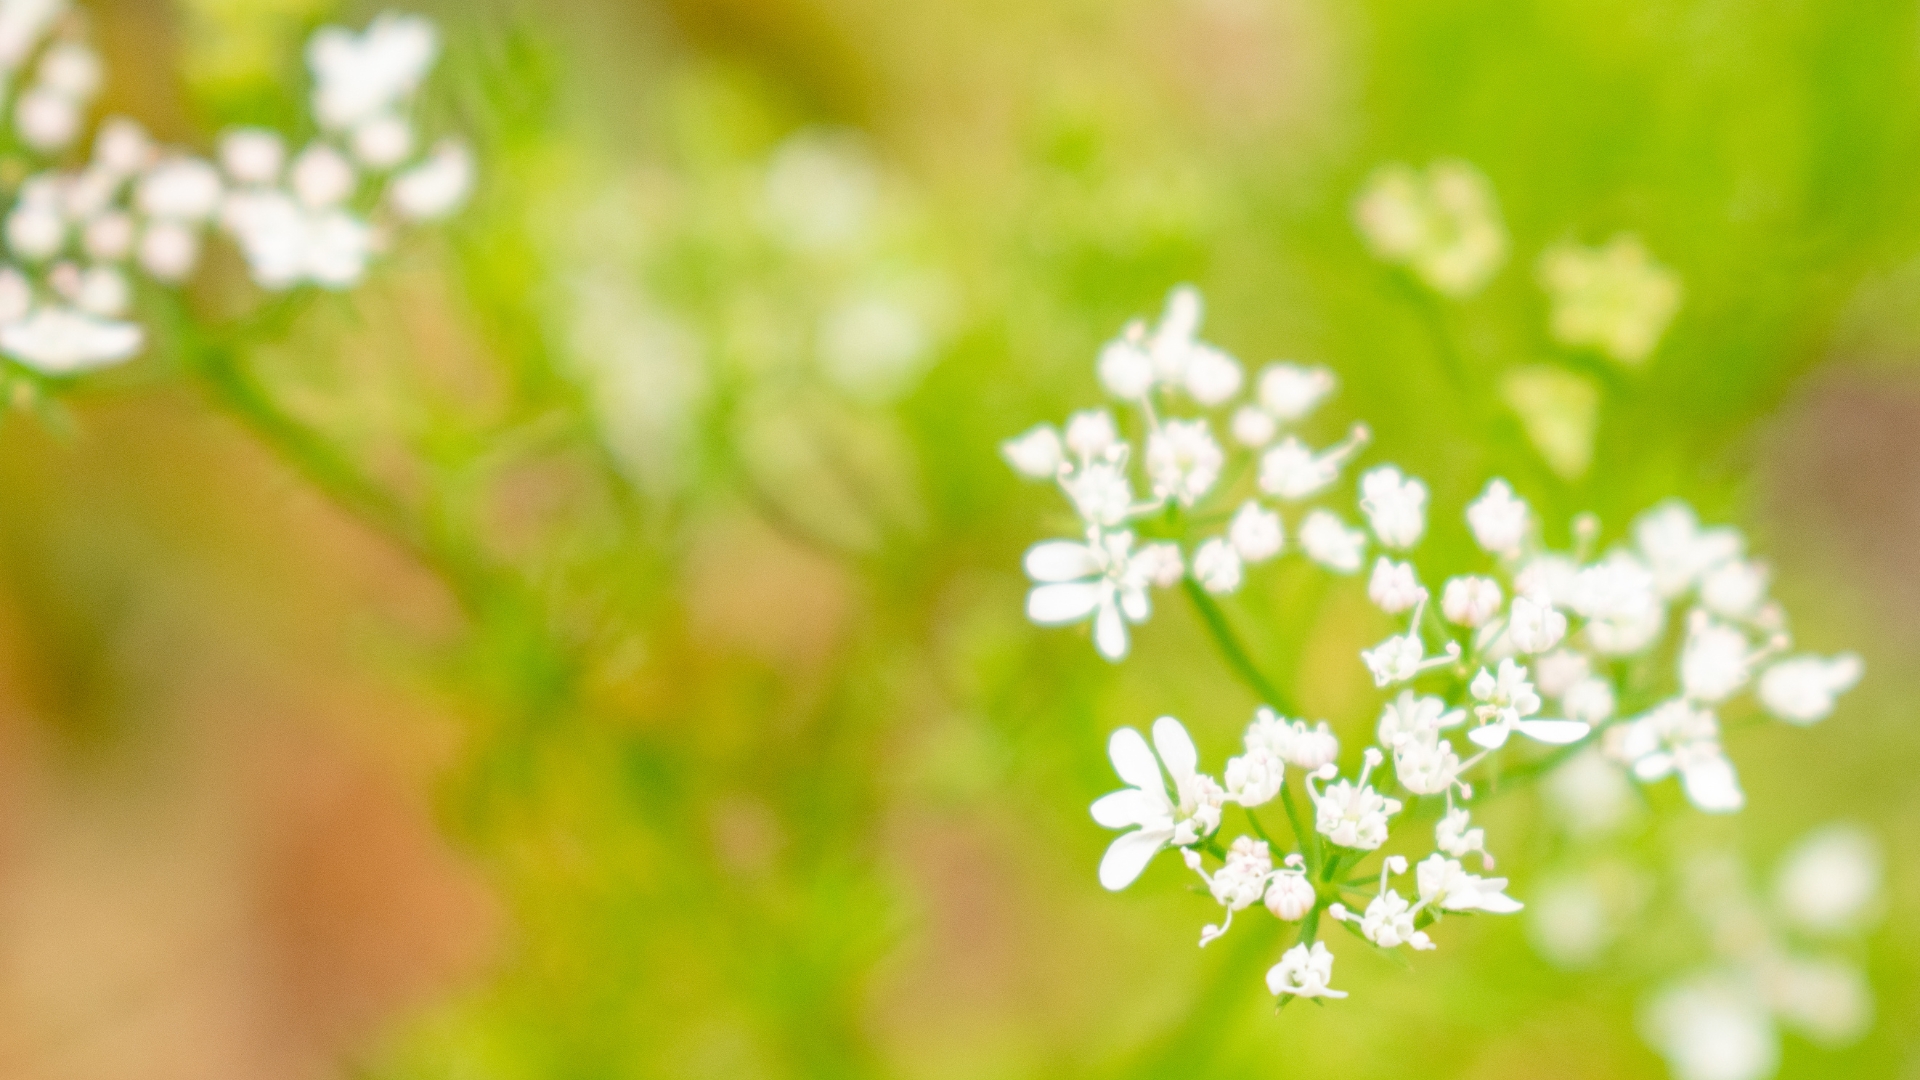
(1723, 1023)
(1615, 298)
(1443, 224)
(1560, 648)
(73, 235)
(1138, 541)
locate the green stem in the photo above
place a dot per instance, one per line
(1232, 650)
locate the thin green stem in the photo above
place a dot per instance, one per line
(1232, 650)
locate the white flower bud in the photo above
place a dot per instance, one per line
(1470, 601)
(1290, 897)
(1256, 532)
(1393, 587)
(1216, 566)
(1037, 455)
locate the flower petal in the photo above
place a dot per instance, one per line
(1491, 736)
(1555, 732)
(1133, 806)
(1129, 854)
(1061, 560)
(1057, 605)
(1176, 749)
(1713, 786)
(1134, 762)
(1109, 630)
(1498, 903)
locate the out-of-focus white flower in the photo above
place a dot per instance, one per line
(1831, 879)
(122, 147)
(71, 68)
(1614, 298)
(1827, 1000)
(1289, 392)
(1534, 627)
(1100, 491)
(1216, 566)
(1427, 766)
(358, 77)
(1556, 673)
(56, 340)
(1253, 426)
(1446, 885)
(1677, 737)
(1396, 506)
(1802, 689)
(322, 177)
(1091, 433)
(437, 186)
(1328, 541)
(1308, 748)
(1713, 1029)
(1590, 701)
(1352, 814)
(1678, 551)
(1498, 520)
(1190, 815)
(1183, 461)
(1171, 356)
(46, 118)
(108, 237)
(183, 189)
(1444, 224)
(1569, 926)
(382, 142)
(1393, 587)
(1715, 662)
(1097, 580)
(1256, 532)
(872, 345)
(1037, 455)
(253, 155)
(1412, 718)
(16, 295)
(1454, 836)
(1291, 470)
(1304, 972)
(1735, 589)
(1471, 601)
(169, 250)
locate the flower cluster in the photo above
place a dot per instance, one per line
(1722, 1023)
(318, 215)
(1614, 298)
(1444, 225)
(1192, 480)
(1619, 659)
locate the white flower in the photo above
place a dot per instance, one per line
(359, 77)
(1304, 972)
(72, 69)
(1716, 661)
(1677, 550)
(1353, 815)
(1388, 922)
(1238, 885)
(1160, 563)
(1097, 580)
(1427, 766)
(1590, 794)
(1613, 298)
(1676, 737)
(1255, 777)
(1290, 896)
(1713, 1029)
(1328, 541)
(1091, 434)
(183, 189)
(1216, 566)
(1171, 356)
(383, 142)
(1191, 814)
(109, 236)
(1498, 520)
(252, 155)
(1444, 225)
(1569, 927)
(1446, 885)
(1831, 879)
(322, 177)
(1801, 689)
(1412, 717)
(1395, 505)
(1125, 369)
(1454, 836)
(1556, 672)
(1100, 492)
(1590, 701)
(1253, 426)
(1183, 460)
(46, 118)
(16, 295)
(1289, 392)
(1294, 743)
(1471, 601)
(63, 341)
(169, 250)
(437, 186)
(1256, 532)
(1735, 589)
(1534, 627)
(1830, 1001)
(1507, 700)
(1402, 657)
(1037, 455)
(1393, 588)
(1292, 471)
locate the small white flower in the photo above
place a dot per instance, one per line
(1256, 532)
(1829, 1001)
(1388, 923)
(1213, 377)
(1091, 434)
(1716, 661)
(1396, 506)
(1292, 471)
(35, 230)
(1556, 672)
(1831, 879)
(437, 186)
(1678, 552)
(1534, 627)
(252, 155)
(1183, 460)
(1589, 701)
(1506, 701)
(1290, 896)
(1216, 566)
(1255, 777)
(183, 189)
(360, 76)
(1253, 426)
(169, 250)
(1427, 766)
(1289, 392)
(108, 237)
(1327, 541)
(1471, 601)
(16, 295)
(1446, 885)
(1802, 689)
(1353, 814)
(322, 177)
(1455, 836)
(62, 341)
(1412, 717)
(72, 69)
(1100, 492)
(1037, 455)
(1304, 972)
(1713, 1029)
(1393, 588)
(382, 142)
(1238, 885)
(1190, 815)
(1160, 564)
(1294, 743)
(1499, 520)
(1677, 737)
(1097, 580)
(1125, 369)
(122, 147)
(46, 119)
(1735, 589)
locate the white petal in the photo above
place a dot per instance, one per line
(1057, 605)
(1492, 736)
(1134, 762)
(1061, 560)
(1557, 732)
(1129, 854)
(1498, 904)
(1135, 605)
(1133, 806)
(1109, 630)
(1653, 766)
(1176, 748)
(1713, 786)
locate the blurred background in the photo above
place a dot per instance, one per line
(673, 713)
